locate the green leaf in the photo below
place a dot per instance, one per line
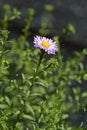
(8, 101)
(28, 117)
(3, 106)
(29, 108)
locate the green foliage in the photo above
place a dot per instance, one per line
(36, 90)
(9, 15)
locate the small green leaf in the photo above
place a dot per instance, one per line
(3, 106)
(28, 117)
(8, 101)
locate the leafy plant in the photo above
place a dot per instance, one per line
(37, 90)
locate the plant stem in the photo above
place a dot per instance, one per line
(38, 65)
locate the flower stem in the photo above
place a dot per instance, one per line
(38, 65)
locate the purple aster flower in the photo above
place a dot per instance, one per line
(48, 45)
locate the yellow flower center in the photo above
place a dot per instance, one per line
(46, 44)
